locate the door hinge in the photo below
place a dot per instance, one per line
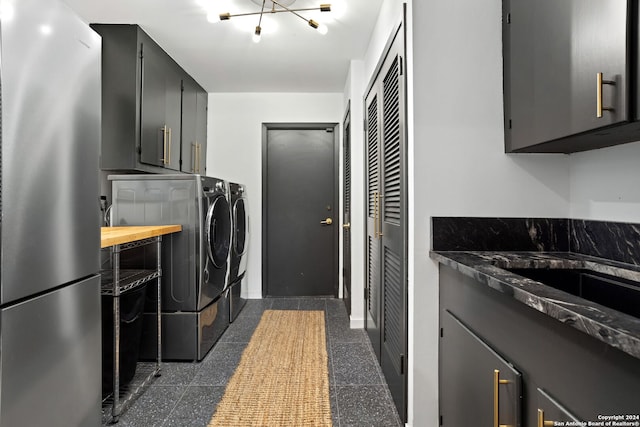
(441, 332)
(401, 70)
(508, 18)
(366, 294)
(402, 364)
(440, 419)
(329, 130)
(141, 50)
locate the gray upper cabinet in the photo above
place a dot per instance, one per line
(194, 127)
(142, 102)
(568, 74)
(160, 109)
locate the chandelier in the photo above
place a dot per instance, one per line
(278, 6)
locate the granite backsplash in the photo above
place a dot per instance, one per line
(616, 241)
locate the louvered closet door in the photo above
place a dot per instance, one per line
(386, 291)
(393, 225)
(372, 291)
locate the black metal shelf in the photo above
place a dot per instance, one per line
(128, 280)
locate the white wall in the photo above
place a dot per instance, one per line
(234, 148)
(459, 165)
(353, 94)
(605, 184)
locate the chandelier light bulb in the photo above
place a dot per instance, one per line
(322, 29)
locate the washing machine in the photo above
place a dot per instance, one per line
(239, 247)
(195, 262)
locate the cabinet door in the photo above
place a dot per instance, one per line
(188, 141)
(173, 112)
(554, 51)
(550, 410)
(478, 387)
(153, 146)
(202, 103)
(194, 127)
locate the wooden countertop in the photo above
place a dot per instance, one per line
(118, 235)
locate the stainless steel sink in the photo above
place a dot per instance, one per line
(614, 292)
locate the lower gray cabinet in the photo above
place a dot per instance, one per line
(478, 386)
(563, 373)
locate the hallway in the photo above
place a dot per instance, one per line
(186, 394)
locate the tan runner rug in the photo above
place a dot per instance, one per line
(282, 378)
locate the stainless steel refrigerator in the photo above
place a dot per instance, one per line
(50, 335)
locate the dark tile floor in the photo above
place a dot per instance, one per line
(187, 393)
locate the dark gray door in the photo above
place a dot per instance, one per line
(299, 211)
(346, 213)
(479, 387)
(556, 50)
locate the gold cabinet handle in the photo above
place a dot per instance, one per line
(599, 83)
(197, 157)
(169, 156)
(380, 196)
(375, 214)
(496, 398)
(346, 226)
(164, 144)
(541, 421)
(327, 221)
(194, 158)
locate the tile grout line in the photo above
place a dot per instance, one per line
(174, 406)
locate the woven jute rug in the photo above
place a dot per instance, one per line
(282, 378)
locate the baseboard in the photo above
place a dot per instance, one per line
(356, 323)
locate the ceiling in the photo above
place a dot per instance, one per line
(221, 55)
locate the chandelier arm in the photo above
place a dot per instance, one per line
(271, 11)
(261, 12)
(243, 14)
(291, 10)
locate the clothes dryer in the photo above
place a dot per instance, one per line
(195, 262)
(239, 247)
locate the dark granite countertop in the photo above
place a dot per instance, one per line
(612, 327)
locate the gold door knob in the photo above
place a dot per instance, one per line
(346, 226)
(327, 221)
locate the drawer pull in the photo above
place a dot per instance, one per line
(542, 422)
(600, 82)
(496, 398)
